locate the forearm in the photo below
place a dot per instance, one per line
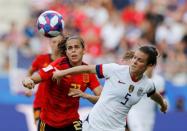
(80, 69)
(92, 98)
(36, 78)
(158, 98)
(30, 81)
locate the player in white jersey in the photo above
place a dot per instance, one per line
(141, 117)
(124, 87)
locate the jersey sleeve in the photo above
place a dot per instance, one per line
(106, 70)
(55, 62)
(93, 82)
(47, 72)
(151, 90)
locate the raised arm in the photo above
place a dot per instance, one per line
(159, 99)
(74, 70)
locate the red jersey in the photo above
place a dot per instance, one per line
(61, 109)
(40, 61)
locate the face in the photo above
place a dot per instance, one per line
(74, 51)
(54, 43)
(139, 63)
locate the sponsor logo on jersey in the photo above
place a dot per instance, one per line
(139, 92)
(131, 88)
(121, 82)
(107, 78)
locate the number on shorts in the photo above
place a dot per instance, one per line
(77, 125)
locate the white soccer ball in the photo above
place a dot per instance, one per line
(50, 23)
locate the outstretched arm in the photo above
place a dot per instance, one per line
(159, 99)
(75, 70)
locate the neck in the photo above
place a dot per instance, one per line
(149, 75)
(75, 64)
(55, 56)
(136, 76)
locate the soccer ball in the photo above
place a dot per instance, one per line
(50, 23)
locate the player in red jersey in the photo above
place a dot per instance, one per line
(39, 62)
(61, 110)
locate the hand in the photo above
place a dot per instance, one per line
(37, 115)
(76, 93)
(28, 93)
(28, 83)
(57, 74)
(164, 107)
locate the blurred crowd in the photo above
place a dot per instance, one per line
(109, 28)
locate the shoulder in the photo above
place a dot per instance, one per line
(158, 78)
(115, 66)
(150, 87)
(60, 61)
(149, 82)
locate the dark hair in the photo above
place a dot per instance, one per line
(77, 38)
(152, 54)
(61, 45)
(184, 39)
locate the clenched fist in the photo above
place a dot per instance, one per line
(28, 83)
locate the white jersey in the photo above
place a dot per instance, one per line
(146, 104)
(142, 115)
(117, 97)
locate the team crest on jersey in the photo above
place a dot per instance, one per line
(85, 78)
(139, 92)
(131, 88)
